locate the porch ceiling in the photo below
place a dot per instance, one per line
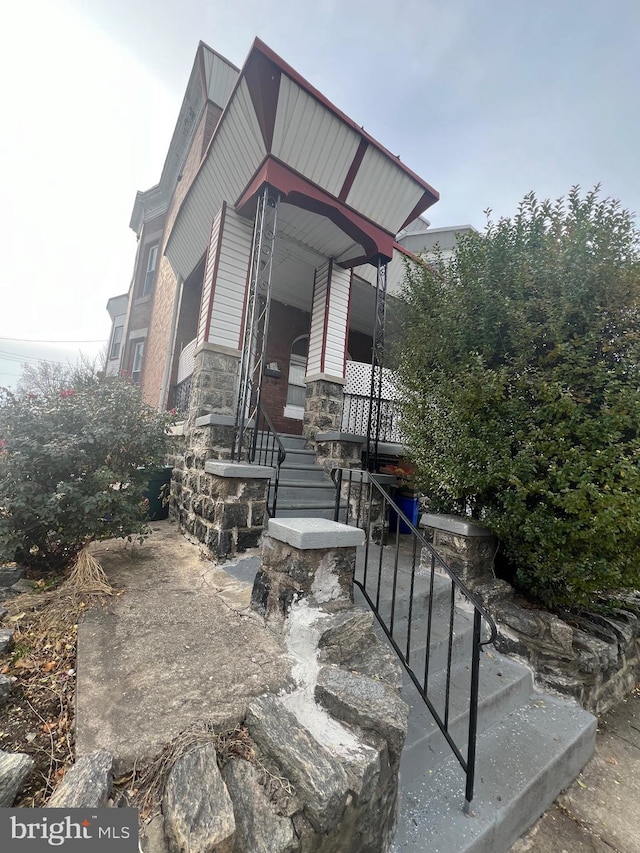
(277, 124)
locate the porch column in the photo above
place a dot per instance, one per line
(327, 350)
(217, 355)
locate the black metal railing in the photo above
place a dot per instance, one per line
(355, 417)
(265, 447)
(181, 395)
(416, 599)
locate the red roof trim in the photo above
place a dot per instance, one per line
(304, 84)
(422, 205)
(302, 193)
(353, 169)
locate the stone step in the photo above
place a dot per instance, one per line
(504, 685)
(523, 762)
(305, 472)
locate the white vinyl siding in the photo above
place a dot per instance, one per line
(231, 282)
(311, 139)
(329, 312)
(314, 361)
(208, 278)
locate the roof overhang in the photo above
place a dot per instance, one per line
(276, 128)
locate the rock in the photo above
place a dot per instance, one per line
(344, 635)
(152, 837)
(198, 813)
(10, 574)
(6, 640)
(318, 776)
(363, 702)
(3, 613)
(21, 586)
(258, 828)
(86, 785)
(376, 661)
(14, 769)
(5, 689)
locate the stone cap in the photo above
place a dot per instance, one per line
(240, 470)
(308, 533)
(458, 524)
(219, 420)
(336, 435)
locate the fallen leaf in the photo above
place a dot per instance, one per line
(610, 760)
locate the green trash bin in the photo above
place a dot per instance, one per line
(157, 493)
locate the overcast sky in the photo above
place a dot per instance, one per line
(485, 99)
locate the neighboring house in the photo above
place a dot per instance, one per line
(265, 253)
(117, 308)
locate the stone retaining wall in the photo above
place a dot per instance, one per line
(592, 656)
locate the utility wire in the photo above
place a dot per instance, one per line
(35, 341)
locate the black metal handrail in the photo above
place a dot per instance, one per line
(266, 448)
(363, 502)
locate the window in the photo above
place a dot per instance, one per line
(149, 278)
(137, 361)
(296, 389)
(116, 342)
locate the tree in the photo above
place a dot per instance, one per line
(522, 401)
(72, 467)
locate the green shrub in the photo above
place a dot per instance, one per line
(522, 401)
(70, 465)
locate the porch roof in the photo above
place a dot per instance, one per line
(351, 196)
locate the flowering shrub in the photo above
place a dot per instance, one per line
(71, 468)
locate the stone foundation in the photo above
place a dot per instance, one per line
(322, 407)
(214, 382)
(220, 504)
(466, 547)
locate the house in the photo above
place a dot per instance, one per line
(267, 190)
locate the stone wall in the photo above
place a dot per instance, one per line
(592, 656)
(221, 505)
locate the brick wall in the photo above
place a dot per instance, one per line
(285, 325)
(165, 289)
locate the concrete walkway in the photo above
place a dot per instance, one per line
(177, 645)
(600, 812)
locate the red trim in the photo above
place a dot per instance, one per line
(346, 331)
(214, 274)
(327, 298)
(302, 193)
(424, 203)
(259, 45)
(353, 169)
(263, 81)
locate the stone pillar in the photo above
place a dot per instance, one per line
(223, 505)
(327, 349)
(306, 558)
(322, 405)
(336, 449)
(214, 383)
(468, 548)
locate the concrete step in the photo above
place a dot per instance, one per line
(305, 490)
(523, 762)
(504, 685)
(304, 510)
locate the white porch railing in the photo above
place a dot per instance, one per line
(357, 403)
(185, 362)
